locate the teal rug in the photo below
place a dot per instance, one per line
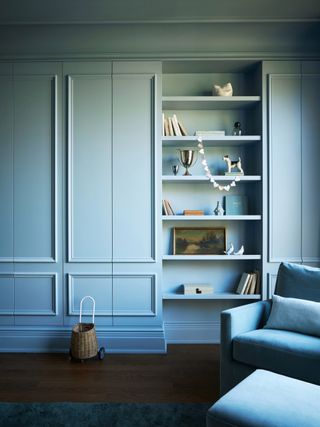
(103, 414)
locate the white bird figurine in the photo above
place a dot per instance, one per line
(240, 251)
(230, 250)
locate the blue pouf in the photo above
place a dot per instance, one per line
(266, 399)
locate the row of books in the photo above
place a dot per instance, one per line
(171, 126)
(167, 208)
(249, 283)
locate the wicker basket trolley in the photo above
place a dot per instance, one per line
(84, 344)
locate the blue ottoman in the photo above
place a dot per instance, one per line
(266, 399)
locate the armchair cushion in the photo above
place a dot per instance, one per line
(293, 314)
(298, 281)
(286, 352)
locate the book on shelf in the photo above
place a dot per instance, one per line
(193, 212)
(249, 284)
(175, 125)
(171, 126)
(236, 205)
(167, 208)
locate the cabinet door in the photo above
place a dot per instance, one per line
(285, 168)
(133, 168)
(89, 169)
(6, 166)
(310, 172)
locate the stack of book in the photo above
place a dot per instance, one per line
(171, 126)
(249, 283)
(166, 208)
(197, 289)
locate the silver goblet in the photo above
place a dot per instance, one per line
(187, 158)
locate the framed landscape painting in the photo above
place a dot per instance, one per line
(199, 241)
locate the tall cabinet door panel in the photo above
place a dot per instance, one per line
(285, 168)
(35, 168)
(37, 193)
(6, 168)
(89, 171)
(133, 168)
(310, 161)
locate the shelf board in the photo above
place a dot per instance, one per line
(213, 296)
(211, 217)
(210, 257)
(208, 102)
(202, 178)
(212, 141)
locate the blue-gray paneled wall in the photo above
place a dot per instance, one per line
(79, 215)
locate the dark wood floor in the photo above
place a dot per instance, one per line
(187, 373)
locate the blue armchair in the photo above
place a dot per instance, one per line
(246, 346)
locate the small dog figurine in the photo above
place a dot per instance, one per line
(225, 90)
(233, 164)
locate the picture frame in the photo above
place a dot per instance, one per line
(199, 241)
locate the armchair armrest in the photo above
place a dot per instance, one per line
(236, 321)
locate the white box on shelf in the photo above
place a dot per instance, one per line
(197, 288)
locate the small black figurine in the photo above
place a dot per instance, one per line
(237, 129)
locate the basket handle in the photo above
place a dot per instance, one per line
(93, 307)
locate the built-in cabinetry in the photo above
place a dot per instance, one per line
(291, 115)
(79, 202)
(187, 92)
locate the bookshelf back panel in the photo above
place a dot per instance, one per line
(214, 156)
(237, 232)
(223, 276)
(201, 84)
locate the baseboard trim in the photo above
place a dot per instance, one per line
(192, 332)
(58, 340)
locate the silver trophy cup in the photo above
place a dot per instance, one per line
(187, 158)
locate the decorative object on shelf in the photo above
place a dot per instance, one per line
(208, 133)
(197, 288)
(175, 169)
(231, 164)
(230, 250)
(219, 209)
(240, 251)
(193, 212)
(187, 159)
(237, 131)
(199, 241)
(236, 205)
(208, 173)
(225, 90)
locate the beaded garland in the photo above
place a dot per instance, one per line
(208, 173)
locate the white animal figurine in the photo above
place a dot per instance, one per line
(233, 164)
(230, 250)
(240, 251)
(225, 90)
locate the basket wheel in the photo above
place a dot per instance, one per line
(101, 353)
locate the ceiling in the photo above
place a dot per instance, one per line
(155, 11)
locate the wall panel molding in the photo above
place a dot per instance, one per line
(50, 311)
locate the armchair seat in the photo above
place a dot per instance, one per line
(289, 353)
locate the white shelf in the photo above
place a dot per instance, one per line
(212, 141)
(202, 178)
(213, 296)
(211, 217)
(210, 257)
(208, 102)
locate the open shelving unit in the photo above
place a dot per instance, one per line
(187, 93)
